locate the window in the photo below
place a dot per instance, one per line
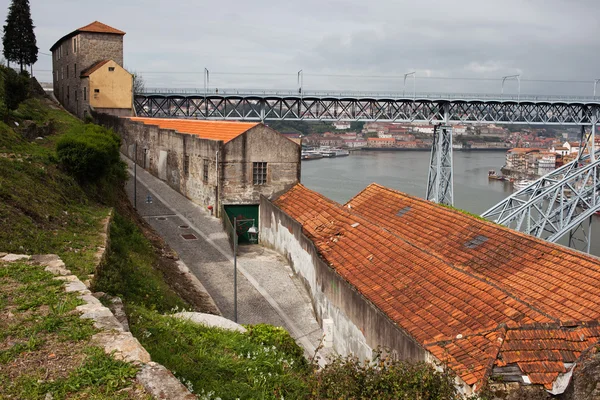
(75, 70)
(75, 44)
(84, 93)
(96, 90)
(186, 165)
(68, 95)
(67, 48)
(259, 173)
(111, 69)
(205, 171)
(62, 73)
(67, 72)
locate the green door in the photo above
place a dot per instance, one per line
(247, 214)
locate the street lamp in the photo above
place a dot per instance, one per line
(595, 83)
(135, 177)
(518, 78)
(253, 237)
(414, 83)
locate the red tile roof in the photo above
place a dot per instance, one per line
(455, 283)
(213, 130)
(88, 71)
(94, 27)
(99, 27)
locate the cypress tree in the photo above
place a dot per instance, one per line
(19, 39)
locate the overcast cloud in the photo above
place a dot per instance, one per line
(171, 42)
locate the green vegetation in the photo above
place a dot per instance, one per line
(130, 270)
(90, 154)
(220, 363)
(383, 378)
(18, 41)
(41, 327)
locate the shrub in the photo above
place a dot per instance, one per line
(16, 88)
(269, 335)
(89, 153)
(383, 378)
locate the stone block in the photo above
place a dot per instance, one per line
(124, 346)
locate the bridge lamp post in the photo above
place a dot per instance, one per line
(253, 234)
(518, 78)
(595, 83)
(414, 83)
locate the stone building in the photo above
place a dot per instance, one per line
(430, 283)
(87, 71)
(219, 164)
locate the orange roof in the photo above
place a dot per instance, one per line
(93, 68)
(213, 130)
(453, 282)
(99, 27)
(94, 27)
(381, 139)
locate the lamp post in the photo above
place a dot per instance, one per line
(595, 83)
(253, 233)
(518, 78)
(135, 178)
(414, 83)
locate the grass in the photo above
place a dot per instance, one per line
(42, 209)
(44, 345)
(218, 363)
(129, 271)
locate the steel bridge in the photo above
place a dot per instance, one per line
(562, 202)
(261, 105)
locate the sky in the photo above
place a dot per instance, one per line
(452, 46)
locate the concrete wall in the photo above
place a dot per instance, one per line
(259, 144)
(359, 326)
(115, 88)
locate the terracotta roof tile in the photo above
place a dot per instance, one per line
(93, 68)
(557, 281)
(473, 293)
(99, 27)
(94, 27)
(213, 130)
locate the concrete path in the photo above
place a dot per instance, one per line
(268, 290)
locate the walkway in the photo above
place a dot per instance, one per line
(268, 290)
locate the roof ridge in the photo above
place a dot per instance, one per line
(481, 220)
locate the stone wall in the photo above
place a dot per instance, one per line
(91, 48)
(358, 326)
(259, 144)
(229, 165)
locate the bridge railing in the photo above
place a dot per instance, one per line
(378, 94)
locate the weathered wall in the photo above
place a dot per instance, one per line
(91, 48)
(115, 88)
(259, 144)
(359, 326)
(165, 156)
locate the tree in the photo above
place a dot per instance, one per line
(19, 39)
(139, 86)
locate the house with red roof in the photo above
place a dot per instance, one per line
(434, 284)
(88, 73)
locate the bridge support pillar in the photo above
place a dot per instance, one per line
(440, 186)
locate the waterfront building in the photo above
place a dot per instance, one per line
(87, 71)
(381, 142)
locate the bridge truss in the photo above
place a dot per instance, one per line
(459, 108)
(562, 202)
(559, 203)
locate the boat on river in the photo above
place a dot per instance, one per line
(492, 175)
(310, 155)
(522, 184)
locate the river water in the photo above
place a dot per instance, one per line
(342, 178)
